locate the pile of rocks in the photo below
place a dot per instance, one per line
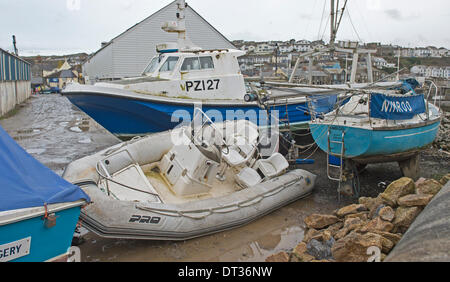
(348, 233)
(442, 140)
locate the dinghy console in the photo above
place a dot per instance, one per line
(200, 157)
(206, 152)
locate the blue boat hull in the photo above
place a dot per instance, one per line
(133, 116)
(46, 243)
(361, 144)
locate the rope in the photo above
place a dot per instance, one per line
(350, 18)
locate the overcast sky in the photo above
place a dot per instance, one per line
(67, 26)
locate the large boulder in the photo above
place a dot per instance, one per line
(377, 224)
(320, 221)
(311, 234)
(414, 200)
(353, 247)
(372, 204)
(333, 229)
(351, 209)
(394, 238)
(404, 217)
(399, 188)
(280, 257)
(364, 216)
(387, 213)
(445, 179)
(320, 250)
(429, 186)
(300, 249)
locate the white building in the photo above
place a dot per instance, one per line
(422, 52)
(431, 71)
(303, 46)
(379, 62)
(264, 47)
(286, 48)
(129, 53)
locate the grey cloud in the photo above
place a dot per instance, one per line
(394, 14)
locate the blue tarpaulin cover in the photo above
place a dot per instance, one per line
(26, 183)
(396, 107)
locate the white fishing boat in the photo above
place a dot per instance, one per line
(177, 79)
(192, 181)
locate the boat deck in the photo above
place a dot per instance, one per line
(149, 182)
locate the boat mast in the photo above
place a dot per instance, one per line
(332, 24)
(335, 22)
(181, 19)
(184, 43)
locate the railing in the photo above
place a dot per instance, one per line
(108, 176)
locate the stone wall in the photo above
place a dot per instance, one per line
(13, 93)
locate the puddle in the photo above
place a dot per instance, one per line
(29, 130)
(76, 129)
(86, 140)
(36, 151)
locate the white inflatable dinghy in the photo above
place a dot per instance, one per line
(185, 183)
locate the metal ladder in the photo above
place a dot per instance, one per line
(341, 155)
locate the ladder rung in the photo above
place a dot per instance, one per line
(335, 166)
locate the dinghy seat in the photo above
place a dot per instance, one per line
(248, 177)
(239, 153)
(273, 166)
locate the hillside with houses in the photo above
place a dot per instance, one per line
(277, 59)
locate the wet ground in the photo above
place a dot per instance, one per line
(56, 133)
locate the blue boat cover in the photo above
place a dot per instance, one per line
(396, 107)
(26, 183)
(323, 104)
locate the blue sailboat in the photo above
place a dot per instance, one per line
(390, 126)
(39, 210)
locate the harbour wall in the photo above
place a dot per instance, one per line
(13, 93)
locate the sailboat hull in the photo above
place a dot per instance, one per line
(367, 145)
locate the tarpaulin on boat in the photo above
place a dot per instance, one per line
(323, 104)
(396, 107)
(25, 182)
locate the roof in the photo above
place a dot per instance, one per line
(62, 74)
(144, 20)
(17, 57)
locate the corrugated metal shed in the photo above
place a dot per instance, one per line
(129, 53)
(13, 68)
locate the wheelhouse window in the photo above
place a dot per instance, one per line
(197, 63)
(190, 64)
(206, 63)
(169, 64)
(153, 65)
